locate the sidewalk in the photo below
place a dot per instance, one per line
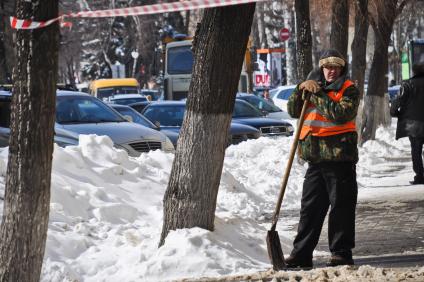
(386, 235)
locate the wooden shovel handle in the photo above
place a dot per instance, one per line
(290, 162)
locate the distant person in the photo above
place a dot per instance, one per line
(408, 107)
(328, 142)
(392, 83)
(267, 97)
(275, 77)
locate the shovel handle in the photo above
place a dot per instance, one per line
(290, 162)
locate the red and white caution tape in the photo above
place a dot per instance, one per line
(132, 11)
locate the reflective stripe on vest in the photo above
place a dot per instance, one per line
(318, 125)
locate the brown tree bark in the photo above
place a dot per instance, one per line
(7, 58)
(219, 47)
(304, 39)
(376, 105)
(359, 44)
(339, 26)
(359, 47)
(25, 219)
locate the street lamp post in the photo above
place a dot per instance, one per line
(134, 54)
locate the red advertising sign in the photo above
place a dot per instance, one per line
(262, 79)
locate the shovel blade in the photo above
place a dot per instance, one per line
(275, 252)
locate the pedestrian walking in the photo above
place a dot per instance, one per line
(408, 108)
(328, 142)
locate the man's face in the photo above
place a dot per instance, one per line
(331, 73)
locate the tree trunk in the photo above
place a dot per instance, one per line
(291, 60)
(27, 194)
(6, 57)
(359, 47)
(219, 47)
(339, 26)
(263, 40)
(359, 44)
(376, 102)
(304, 39)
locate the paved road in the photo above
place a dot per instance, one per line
(382, 230)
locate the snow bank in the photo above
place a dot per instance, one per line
(106, 209)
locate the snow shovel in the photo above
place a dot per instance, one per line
(275, 252)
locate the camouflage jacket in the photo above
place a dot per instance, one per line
(335, 148)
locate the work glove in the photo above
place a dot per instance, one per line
(310, 85)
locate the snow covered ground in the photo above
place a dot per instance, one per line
(106, 209)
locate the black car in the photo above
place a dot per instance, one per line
(139, 106)
(170, 115)
(245, 113)
(136, 117)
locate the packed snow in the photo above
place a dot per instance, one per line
(106, 208)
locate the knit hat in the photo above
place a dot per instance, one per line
(331, 57)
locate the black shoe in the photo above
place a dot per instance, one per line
(417, 181)
(337, 260)
(294, 263)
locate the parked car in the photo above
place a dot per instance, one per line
(134, 116)
(79, 113)
(126, 99)
(170, 115)
(245, 113)
(281, 94)
(139, 106)
(153, 93)
(62, 137)
(267, 108)
(393, 91)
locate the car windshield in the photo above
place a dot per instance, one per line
(166, 115)
(110, 91)
(281, 94)
(260, 104)
(244, 109)
(127, 101)
(180, 60)
(136, 117)
(83, 109)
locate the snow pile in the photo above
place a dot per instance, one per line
(339, 274)
(106, 209)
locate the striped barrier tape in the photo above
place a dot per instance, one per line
(132, 11)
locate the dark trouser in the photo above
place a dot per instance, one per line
(327, 184)
(417, 160)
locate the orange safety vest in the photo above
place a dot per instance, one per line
(318, 125)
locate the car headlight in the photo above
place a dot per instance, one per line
(290, 128)
(121, 147)
(168, 146)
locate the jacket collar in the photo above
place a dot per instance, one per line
(336, 85)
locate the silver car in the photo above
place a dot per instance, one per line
(79, 113)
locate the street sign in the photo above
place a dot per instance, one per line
(284, 34)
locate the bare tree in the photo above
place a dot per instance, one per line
(376, 102)
(23, 230)
(359, 44)
(260, 21)
(339, 26)
(291, 59)
(7, 57)
(304, 39)
(190, 198)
